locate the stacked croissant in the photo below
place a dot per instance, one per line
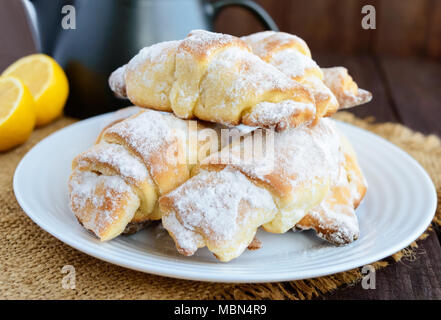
(167, 158)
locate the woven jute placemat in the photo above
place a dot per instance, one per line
(31, 260)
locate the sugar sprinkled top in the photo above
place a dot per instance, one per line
(334, 218)
(201, 42)
(319, 89)
(341, 220)
(117, 157)
(97, 209)
(299, 154)
(147, 133)
(272, 114)
(210, 203)
(309, 152)
(263, 42)
(344, 88)
(188, 241)
(292, 63)
(155, 53)
(252, 74)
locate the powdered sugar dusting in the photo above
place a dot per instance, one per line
(152, 71)
(95, 199)
(272, 114)
(188, 241)
(334, 218)
(319, 89)
(156, 53)
(300, 154)
(344, 88)
(253, 74)
(116, 156)
(201, 42)
(291, 56)
(147, 133)
(292, 63)
(340, 220)
(209, 204)
(263, 42)
(308, 152)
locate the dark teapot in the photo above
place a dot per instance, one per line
(101, 35)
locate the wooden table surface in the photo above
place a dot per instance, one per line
(407, 91)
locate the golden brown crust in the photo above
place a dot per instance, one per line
(255, 244)
(266, 43)
(201, 47)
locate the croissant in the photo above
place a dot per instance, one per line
(214, 77)
(291, 55)
(229, 197)
(344, 88)
(117, 182)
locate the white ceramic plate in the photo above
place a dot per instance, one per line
(399, 205)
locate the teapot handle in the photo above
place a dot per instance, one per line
(33, 23)
(256, 9)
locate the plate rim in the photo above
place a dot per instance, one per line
(225, 277)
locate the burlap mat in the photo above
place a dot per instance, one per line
(31, 259)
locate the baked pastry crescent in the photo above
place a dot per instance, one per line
(291, 55)
(214, 77)
(344, 87)
(135, 160)
(274, 189)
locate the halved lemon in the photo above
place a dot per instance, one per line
(46, 81)
(17, 113)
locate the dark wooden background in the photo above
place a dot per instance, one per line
(399, 62)
(404, 27)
